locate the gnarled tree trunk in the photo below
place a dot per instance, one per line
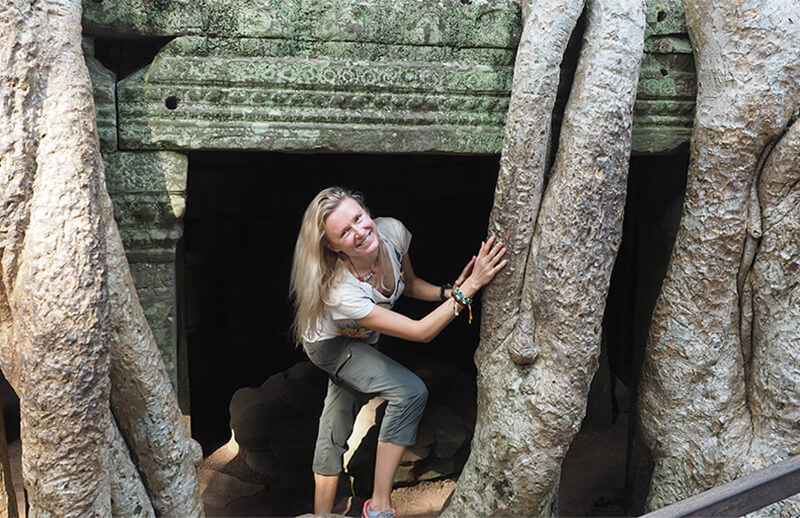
(54, 295)
(718, 398)
(74, 342)
(535, 363)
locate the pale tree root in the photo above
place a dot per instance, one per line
(70, 323)
(774, 391)
(142, 397)
(545, 34)
(528, 414)
(57, 298)
(693, 395)
(129, 497)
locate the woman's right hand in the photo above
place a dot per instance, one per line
(465, 272)
(488, 262)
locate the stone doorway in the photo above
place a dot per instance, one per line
(243, 213)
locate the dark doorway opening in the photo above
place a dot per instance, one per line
(243, 214)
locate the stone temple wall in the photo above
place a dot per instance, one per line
(357, 76)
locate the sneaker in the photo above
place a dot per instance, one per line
(366, 513)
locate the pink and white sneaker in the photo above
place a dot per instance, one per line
(366, 512)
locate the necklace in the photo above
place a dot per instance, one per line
(371, 273)
(368, 276)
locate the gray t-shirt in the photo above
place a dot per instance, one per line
(355, 299)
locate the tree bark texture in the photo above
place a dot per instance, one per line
(545, 33)
(775, 278)
(73, 338)
(142, 397)
(128, 495)
(53, 268)
(533, 381)
(716, 390)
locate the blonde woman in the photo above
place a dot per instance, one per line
(347, 273)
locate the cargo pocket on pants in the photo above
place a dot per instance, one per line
(340, 365)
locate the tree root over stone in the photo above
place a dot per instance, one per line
(539, 347)
(74, 342)
(704, 418)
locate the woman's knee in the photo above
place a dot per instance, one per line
(415, 393)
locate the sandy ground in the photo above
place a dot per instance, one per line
(592, 485)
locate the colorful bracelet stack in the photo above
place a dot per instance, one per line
(461, 300)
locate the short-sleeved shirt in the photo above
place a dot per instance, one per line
(355, 299)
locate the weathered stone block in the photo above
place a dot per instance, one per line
(148, 194)
(451, 432)
(457, 23)
(158, 301)
(361, 97)
(147, 190)
(664, 17)
(130, 18)
(287, 95)
(342, 75)
(664, 108)
(404, 475)
(104, 91)
(437, 468)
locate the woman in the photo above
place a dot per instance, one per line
(347, 273)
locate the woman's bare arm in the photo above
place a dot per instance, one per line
(420, 289)
(484, 267)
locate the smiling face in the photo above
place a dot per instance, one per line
(351, 230)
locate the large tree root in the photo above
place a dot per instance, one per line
(546, 32)
(74, 340)
(774, 389)
(142, 396)
(54, 291)
(531, 401)
(128, 495)
(694, 389)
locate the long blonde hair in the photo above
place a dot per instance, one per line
(316, 269)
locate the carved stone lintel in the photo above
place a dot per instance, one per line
(278, 95)
(457, 23)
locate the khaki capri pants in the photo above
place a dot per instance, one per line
(358, 371)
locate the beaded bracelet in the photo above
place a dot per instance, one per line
(462, 300)
(457, 307)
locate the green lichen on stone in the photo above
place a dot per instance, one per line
(214, 93)
(664, 17)
(664, 109)
(147, 190)
(366, 76)
(131, 18)
(363, 97)
(482, 23)
(155, 287)
(161, 172)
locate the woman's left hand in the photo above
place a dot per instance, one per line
(487, 264)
